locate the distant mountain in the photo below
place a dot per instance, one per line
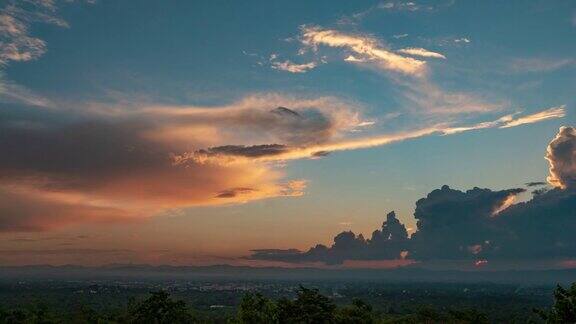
(239, 273)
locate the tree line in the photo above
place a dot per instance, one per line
(308, 307)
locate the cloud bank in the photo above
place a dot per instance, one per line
(479, 225)
(59, 167)
(109, 164)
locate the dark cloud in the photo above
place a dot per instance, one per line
(456, 225)
(477, 224)
(451, 222)
(320, 154)
(283, 111)
(385, 243)
(246, 151)
(234, 192)
(535, 184)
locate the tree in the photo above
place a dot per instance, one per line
(357, 313)
(564, 308)
(257, 309)
(309, 307)
(159, 308)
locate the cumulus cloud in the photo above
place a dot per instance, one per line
(478, 225)
(386, 243)
(561, 154)
(475, 225)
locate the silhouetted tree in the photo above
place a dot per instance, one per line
(467, 316)
(257, 309)
(359, 312)
(159, 308)
(309, 307)
(564, 308)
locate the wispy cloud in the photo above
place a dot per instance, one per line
(293, 67)
(14, 93)
(410, 6)
(417, 51)
(18, 44)
(511, 121)
(551, 113)
(408, 73)
(539, 64)
(399, 36)
(367, 49)
(462, 40)
(315, 150)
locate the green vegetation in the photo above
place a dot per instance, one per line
(308, 306)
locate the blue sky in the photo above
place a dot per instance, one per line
(366, 68)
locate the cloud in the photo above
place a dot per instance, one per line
(416, 51)
(462, 40)
(409, 6)
(551, 113)
(367, 49)
(111, 163)
(14, 93)
(408, 73)
(385, 243)
(293, 67)
(59, 167)
(277, 152)
(535, 184)
(424, 97)
(475, 225)
(479, 225)
(539, 64)
(511, 121)
(453, 224)
(561, 154)
(18, 44)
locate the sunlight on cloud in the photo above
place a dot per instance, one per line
(367, 48)
(416, 51)
(409, 74)
(551, 113)
(561, 155)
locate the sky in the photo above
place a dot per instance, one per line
(193, 132)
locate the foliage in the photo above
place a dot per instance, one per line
(257, 309)
(306, 307)
(159, 308)
(564, 308)
(309, 307)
